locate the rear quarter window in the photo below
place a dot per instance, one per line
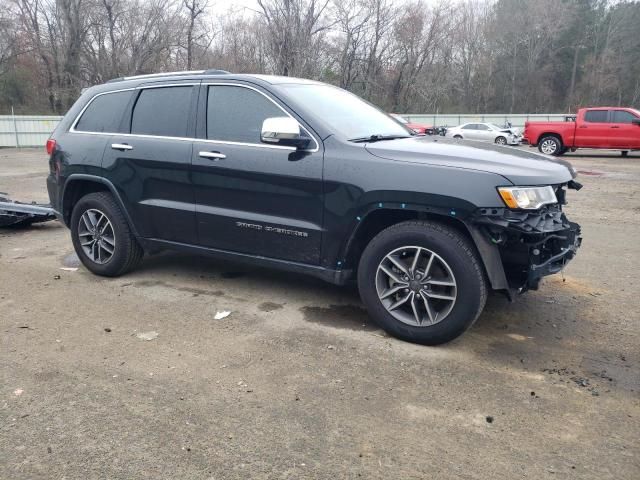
(104, 113)
(596, 116)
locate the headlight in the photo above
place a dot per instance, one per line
(528, 198)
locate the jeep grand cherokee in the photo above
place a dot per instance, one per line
(306, 177)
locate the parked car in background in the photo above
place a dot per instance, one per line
(484, 132)
(418, 128)
(602, 127)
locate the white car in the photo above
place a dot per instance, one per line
(485, 132)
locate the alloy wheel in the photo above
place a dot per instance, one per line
(549, 147)
(97, 237)
(416, 286)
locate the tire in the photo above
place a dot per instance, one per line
(501, 140)
(458, 137)
(447, 319)
(551, 145)
(624, 153)
(116, 236)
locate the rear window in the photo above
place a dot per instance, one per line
(104, 113)
(162, 112)
(596, 116)
(620, 116)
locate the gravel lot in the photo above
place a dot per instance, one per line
(295, 383)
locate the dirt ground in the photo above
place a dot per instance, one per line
(296, 383)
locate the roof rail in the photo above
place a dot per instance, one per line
(171, 74)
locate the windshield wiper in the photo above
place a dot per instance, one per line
(377, 138)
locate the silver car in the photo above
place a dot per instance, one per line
(485, 132)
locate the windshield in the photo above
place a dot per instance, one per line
(344, 112)
(493, 126)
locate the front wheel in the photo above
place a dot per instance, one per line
(422, 282)
(501, 141)
(101, 236)
(551, 145)
(624, 153)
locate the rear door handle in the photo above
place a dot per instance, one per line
(213, 155)
(121, 146)
(615, 126)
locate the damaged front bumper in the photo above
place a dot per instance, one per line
(531, 244)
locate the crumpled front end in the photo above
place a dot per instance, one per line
(532, 244)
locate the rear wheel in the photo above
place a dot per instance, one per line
(101, 236)
(625, 153)
(458, 137)
(501, 141)
(550, 145)
(422, 282)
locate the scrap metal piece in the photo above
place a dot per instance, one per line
(14, 214)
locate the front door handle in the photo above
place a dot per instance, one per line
(213, 155)
(615, 126)
(121, 146)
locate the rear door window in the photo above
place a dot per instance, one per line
(162, 111)
(104, 113)
(621, 116)
(596, 116)
(470, 126)
(236, 114)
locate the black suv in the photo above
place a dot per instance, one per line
(306, 177)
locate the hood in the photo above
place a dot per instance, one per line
(520, 167)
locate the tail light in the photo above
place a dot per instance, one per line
(51, 146)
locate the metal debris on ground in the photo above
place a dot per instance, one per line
(221, 315)
(14, 214)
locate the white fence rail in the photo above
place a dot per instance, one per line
(26, 130)
(33, 130)
(439, 120)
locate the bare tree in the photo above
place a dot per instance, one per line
(195, 9)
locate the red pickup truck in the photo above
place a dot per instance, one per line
(603, 127)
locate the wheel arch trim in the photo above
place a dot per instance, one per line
(77, 177)
(489, 253)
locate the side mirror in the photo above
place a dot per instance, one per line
(283, 131)
(636, 121)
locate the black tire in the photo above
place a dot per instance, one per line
(552, 144)
(625, 153)
(501, 140)
(127, 252)
(458, 137)
(455, 250)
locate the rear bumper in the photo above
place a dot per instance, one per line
(531, 245)
(55, 196)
